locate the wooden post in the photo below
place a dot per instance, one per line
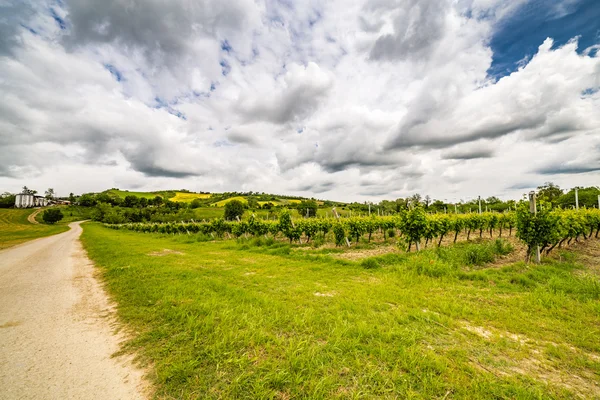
(369, 209)
(338, 218)
(576, 199)
(599, 202)
(479, 204)
(533, 209)
(455, 209)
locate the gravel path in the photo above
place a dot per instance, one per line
(57, 326)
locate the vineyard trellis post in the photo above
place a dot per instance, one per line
(576, 199)
(599, 202)
(533, 209)
(338, 218)
(479, 204)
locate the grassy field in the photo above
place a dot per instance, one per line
(259, 319)
(146, 195)
(15, 228)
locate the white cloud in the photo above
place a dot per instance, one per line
(357, 101)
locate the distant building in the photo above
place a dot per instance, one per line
(23, 200)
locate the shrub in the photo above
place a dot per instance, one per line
(308, 208)
(391, 232)
(234, 210)
(52, 216)
(369, 263)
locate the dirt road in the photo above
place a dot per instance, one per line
(57, 326)
(31, 217)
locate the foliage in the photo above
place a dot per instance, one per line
(234, 210)
(52, 216)
(7, 200)
(308, 208)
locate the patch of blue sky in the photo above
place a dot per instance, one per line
(30, 29)
(162, 104)
(226, 47)
(114, 72)
(517, 38)
(225, 67)
(62, 24)
(590, 92)
(223, 143)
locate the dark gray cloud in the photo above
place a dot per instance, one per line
(418, 26)
(149, 162)
(158, 27)
(426, 135)
(560, 169)
(523, 186)
(468, 154)
(320, 187)
(304, 88)
(238, 136)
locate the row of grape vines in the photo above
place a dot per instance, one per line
(547, 229)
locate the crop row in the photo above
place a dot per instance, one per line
(547, 229)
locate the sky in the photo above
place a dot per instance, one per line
(346, 100)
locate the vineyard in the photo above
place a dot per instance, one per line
(547, 229)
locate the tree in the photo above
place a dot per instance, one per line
(26, 190)
(415, 199)
(87, 200)
(157, 201)
(233, 210)
(52, 216)
(549, 192)
(130, 201)
(308, 208)
(72, 198)
(7, 200)
(196, 203)
(252, 203)
(49, 193)
(427, 201)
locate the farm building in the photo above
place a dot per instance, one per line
(23, 200)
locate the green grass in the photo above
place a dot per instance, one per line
(259, 319)
(16, 229)
(147, 195)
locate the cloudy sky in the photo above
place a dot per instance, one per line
(346, 100)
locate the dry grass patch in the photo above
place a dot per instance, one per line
(164, 252)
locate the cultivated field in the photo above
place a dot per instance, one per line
(223, 202)
(260, 318)
(188, 197)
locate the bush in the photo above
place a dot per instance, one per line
(308, 208)
(196, 203)
(234, 210)
(52, 216)
(391, 232)
(369, 263)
